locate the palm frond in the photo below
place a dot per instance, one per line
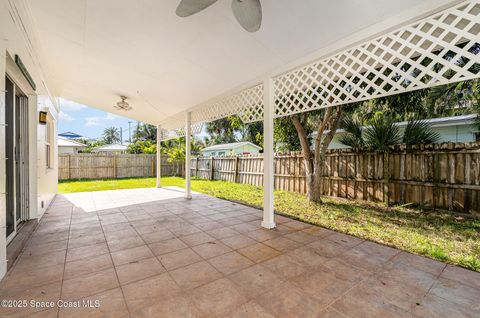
(382, 134)
(420, 132)
(353, 136)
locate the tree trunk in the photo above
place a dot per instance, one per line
(307, 153)
(315, 163)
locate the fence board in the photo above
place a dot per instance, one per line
(104, 166)
(445, 176)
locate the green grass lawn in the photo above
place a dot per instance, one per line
(439, 235)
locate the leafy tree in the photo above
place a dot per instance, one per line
(175, 148)
(419, 132)
(233, 129)
(139, 146)
(145, 132)
(93, 144)
(220, 132)
(111, 135)
(285, 134)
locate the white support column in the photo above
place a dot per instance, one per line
(188, 137)
(268, 154)
(159, 157)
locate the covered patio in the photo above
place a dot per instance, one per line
(151, 253)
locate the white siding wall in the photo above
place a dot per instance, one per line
(43, 182)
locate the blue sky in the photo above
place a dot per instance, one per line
(89, 122)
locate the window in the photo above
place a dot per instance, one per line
(49, 133)
(477, 135)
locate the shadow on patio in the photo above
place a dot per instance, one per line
(135, 255)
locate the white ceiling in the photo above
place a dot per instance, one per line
(94, 51)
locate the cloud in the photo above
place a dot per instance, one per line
(92, 121)
(111, 116)
(65, 117)
(70, 106)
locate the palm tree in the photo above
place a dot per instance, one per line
(111, 135)
(354, 134)
(419, 132)
(382, 134)
(379, 138)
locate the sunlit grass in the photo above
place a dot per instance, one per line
(439, 235)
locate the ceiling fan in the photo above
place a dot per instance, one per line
(123, 105)
(247, 12)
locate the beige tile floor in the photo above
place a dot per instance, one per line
(150, 253)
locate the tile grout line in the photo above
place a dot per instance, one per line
(113, 264)
(65, 262)
(430, 288)
(156, 257)
(371, 275)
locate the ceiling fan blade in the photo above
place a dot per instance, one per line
(248, 13)
(188, 7)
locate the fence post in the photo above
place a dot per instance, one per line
(237, 160)
(436, 178)
(386, 178)
(69, 174)
(115, 166)
(153, 167)
(196, 166)
(211, 169)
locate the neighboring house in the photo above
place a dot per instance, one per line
(70, 135)
(111, 149)
(69, 147)
(233, 149)
(451, 129)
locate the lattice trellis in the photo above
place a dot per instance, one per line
(248, 104)
(441, 49)
(167, 134)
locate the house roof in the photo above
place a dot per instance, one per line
(64, 142)
(166, 65)
(112, 147)
(69, 134)
(434, 122)
(231, 146)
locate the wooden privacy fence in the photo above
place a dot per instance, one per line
(106, 166)
(443, 176)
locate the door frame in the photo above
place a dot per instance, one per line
(16, 76)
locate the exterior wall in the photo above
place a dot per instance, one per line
(47, 177)
(231, 152)
(245, 149)
(43, 181)
(459, 133)
(68, 150)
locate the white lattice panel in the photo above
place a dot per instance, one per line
(248, 104)
(180, 132)
(441, 49)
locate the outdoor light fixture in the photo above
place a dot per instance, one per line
(42, 117)
(123, 105)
